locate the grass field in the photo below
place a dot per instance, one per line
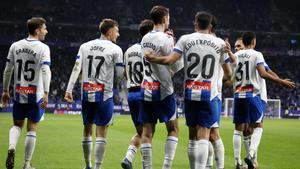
(59, 144)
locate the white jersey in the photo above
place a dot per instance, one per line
(220, 82)
(97, 60)
(27, 57)
(203, 58)
(263, 94)
(247, 81)
(157, 82)
(134, 65)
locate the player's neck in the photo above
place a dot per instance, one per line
(33, 37)
(206, 31)
(159, 28)
(103, 37)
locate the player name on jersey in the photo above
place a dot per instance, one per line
(149, 45)
(203, 42)
(27, 51)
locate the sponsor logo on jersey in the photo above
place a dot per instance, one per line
(25, 90)
(197, 85)
(151, 85)
(247, 88)
(90, 87)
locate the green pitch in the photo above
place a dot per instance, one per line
(59, 144)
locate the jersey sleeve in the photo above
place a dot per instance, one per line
(76, 70)
(259, 60)
(168, 44)
(118, 57)
(179, 47)
(46, 56)
(8, 68)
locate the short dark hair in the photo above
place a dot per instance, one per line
(145, 27)
(106, 24)
(203, 20)
(157, 13)
(248, 38)
(35, 23)
(214, 23)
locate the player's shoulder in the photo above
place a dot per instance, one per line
(134, 47)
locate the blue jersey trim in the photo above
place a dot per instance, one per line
(177, 50)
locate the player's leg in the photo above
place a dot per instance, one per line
(100, 145)
(193, 150)
(87, 140)
(202, 141)
(218, 147)
(210, 158)
(146, 146)
(240, 118)
(30, 141)
(14, 133)
(87, 145)
(149, 118)
(248, 130)
(35, 113)
(256, 118)
(134, 103)
(168, 115)
(171, 143)
(103, 118)
(215, 139)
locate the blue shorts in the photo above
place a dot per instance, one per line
(31, 111)
(134, 103)
(219, 111)
(164, 110)
(99, 113)
(248, 110)
(202, 113)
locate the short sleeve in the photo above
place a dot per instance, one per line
(259, 59)
(118, 57)
(46, 56)
(179, 47)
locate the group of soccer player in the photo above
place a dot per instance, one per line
(149, 66)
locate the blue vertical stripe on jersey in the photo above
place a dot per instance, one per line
(32, 97)
(156, 93)
(188, 94)
(98, 96)
(249, 94)
(17, 97)
(85, 96)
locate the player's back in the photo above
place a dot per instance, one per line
(98, 58)
(247, 81)
(203, 56)
(27, 56)
(134, 65)
(162, 44)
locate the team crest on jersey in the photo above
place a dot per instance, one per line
(90, 87)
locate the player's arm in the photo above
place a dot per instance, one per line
(7, 76)
(264, 74)
(73, 78)
(227, 78)
(227, 49)
(164, 60)
(119, 65)
(46, 75)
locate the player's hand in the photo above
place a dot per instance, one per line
(68, 97)
(5, 98)
(45, 101)
(227, 47)
(149, 55)
(288, 83)
(170, 32)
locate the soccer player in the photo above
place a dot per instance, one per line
(97, 60)
(249, 95)
(30, 60)
(134, 75)
(216, 146)
(157, 90)
(203, 54)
